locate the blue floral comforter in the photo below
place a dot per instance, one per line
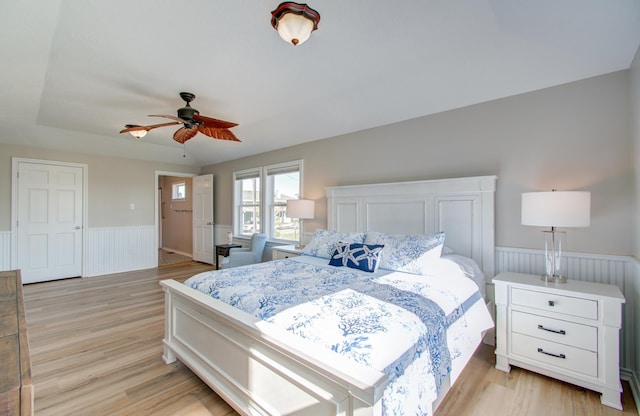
(418, 330)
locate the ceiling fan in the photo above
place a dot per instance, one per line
(193, 123)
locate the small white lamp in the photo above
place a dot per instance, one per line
(555, 209)
(301, 209)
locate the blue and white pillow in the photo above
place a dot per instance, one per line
(323, 242)
(357, 256)
(407, 253)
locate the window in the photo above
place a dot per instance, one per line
(283, 182)
(260, 196)
(246, 216)
(178, 191)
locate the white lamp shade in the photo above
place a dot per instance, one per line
(556, 209)
(294, 26)
(301, 208)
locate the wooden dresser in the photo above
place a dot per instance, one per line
(16, 390)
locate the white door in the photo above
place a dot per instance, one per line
(203, 219)
(49, 221)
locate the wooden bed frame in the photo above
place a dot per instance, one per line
(260, 370)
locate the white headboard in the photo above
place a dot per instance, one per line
(462, 207)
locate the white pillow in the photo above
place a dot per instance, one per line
(468, 265)
(407, 253)
(470, 268)
(324, 242)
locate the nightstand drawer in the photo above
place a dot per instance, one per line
(555, 330)
(285, 252)
(556, 355)
(584, 308)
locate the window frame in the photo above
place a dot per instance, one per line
(267, 204)
(238, 176)
(175, 191)
(270, 172)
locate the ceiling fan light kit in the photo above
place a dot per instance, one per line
(193, 123)
(294, 22)
(138, 134)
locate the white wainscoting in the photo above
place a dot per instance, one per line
(5, 250)
(622, 271)
(120, 249)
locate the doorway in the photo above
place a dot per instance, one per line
(174, 218)
(198, 204)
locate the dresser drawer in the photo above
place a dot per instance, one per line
(564, 356)
(584, 308)
(555, 330)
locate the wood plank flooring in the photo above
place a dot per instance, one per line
(96, 346)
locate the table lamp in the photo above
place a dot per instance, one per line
(301, 209)
(555, 209)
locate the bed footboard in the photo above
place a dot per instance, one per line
(258, 369)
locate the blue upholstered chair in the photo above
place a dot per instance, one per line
(250, 255)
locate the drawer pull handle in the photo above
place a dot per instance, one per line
(540, 350)
(552, 303)
(555, 331)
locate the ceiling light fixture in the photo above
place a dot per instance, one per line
(138, 134)
(136, 131)
(294, 22)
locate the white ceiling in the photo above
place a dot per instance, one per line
(74, 72)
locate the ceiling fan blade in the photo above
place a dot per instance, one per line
(183, 134)
(220, 134)
(214, 122)
(131, 128)
(178, 119)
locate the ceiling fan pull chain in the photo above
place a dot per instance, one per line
(184, 149)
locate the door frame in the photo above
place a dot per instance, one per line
(156, 231)
(15, 161)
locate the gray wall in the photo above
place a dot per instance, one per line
(575, 136)
(635, 123)
(114, 183)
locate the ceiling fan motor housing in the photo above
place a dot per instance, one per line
(187, 112)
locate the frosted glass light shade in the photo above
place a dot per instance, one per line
(300, 208)
(294, 21)
(138, 134)
(556, 209)
(294, 28)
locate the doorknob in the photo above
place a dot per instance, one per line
(209, 223)
(78, 227)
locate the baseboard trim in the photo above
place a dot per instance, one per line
(631, 377)
(183, 253)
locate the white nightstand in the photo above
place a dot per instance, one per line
(284, 252)
(568, 331)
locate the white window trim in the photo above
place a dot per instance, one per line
(174, 187)
(237, 199)
(268, 193)
(266, 197)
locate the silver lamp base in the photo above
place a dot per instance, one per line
(553, 279)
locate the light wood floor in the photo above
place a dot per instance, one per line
(166, 257)
(96, 346)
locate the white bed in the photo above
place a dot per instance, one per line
(265, 369)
